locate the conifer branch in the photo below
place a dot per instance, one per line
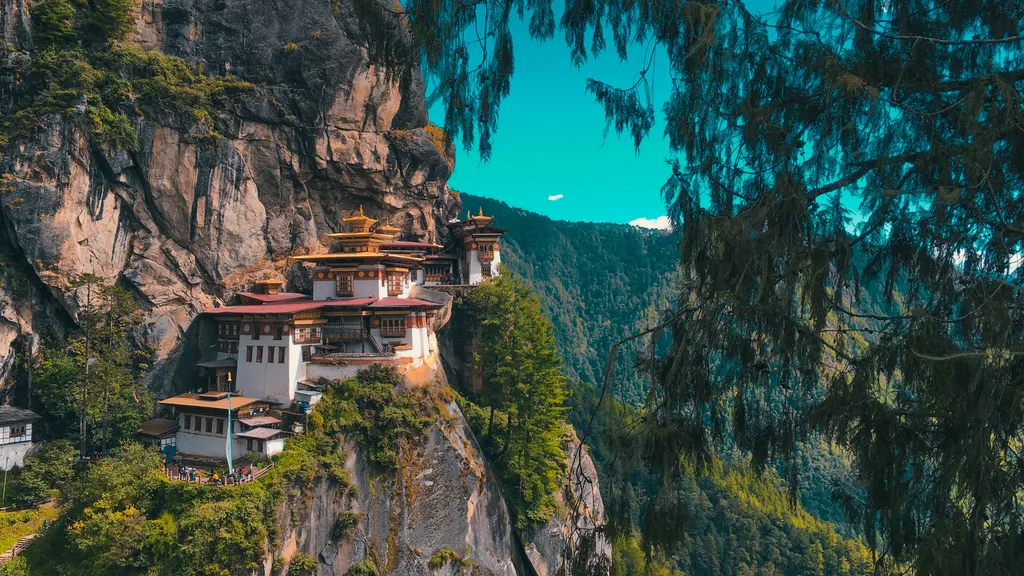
(841, 10)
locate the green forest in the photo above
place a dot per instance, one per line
(596, 282)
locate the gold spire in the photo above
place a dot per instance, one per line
(481, 211)
(388, 229)
(360, 209)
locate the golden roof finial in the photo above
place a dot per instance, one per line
(481, 211)
(467, 214)
(360, 209)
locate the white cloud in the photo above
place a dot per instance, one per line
(556, 197)
(659, 223)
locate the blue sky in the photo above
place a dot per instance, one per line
(550, 141)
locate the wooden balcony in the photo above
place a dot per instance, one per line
(344, 334)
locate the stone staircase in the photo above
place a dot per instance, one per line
(18, 548)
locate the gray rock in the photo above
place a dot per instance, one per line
(186, 222)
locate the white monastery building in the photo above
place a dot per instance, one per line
(274, 346)
(15, 435)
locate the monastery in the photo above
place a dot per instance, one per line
(274, 346)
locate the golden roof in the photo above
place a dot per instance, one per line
(388, 229)
(480, 217)
(362, 221)
(212, 401)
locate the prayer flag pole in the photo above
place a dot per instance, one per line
(227, 446)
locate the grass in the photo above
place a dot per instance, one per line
(14, 525)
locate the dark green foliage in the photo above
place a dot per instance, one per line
(53, 23)
(523, 382)
(116, 402)
(910, 113)
(50, 467)
(344, 524)
(596, 282)
(302, 564)
(368, 409)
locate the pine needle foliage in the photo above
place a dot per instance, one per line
(524, 392)
(785, 125)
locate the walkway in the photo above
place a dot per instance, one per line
(205, 476)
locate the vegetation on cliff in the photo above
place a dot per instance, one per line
(123, 516)
(523, 394)
(115, 401)
(80, 61)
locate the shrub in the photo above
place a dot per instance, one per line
(302, 564)
(345, 524)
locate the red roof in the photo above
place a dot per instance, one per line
(404, 303)
(282, 308)
(291, 307)
(348, 302)
(274, 297)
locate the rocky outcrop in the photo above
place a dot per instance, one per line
(443, 499)
(186, 220)
(572, 542)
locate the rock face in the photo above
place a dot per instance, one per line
(580, 524)
(185, 221)
(442, 499)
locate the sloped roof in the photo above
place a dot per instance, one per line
(12, 415)
(403, 303)
(259, 433)
(279, 297)
(196, 401)
(158, 427)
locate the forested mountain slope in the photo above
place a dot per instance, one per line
(597, 282)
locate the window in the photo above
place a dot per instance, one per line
(278, 332)
(259, 445)
(280, 354)
(209, 425)
(305, 353)
(17, 431)
(345, 285)
(307, 335)
(394, 284)
(188, 422)
(256, 329)
(234, 348)
(485, 270)
(248, 444)
(220, 425)
(392, 327)
(248, 353)
(270, 354)
(259, 353)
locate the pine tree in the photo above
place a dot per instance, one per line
(104, 390)
(523, 379)
(897, 334)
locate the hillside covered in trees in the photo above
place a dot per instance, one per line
(596, 282)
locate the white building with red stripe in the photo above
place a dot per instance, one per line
(274, 346)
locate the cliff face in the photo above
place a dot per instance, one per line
(186, 220)
(445, 499)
